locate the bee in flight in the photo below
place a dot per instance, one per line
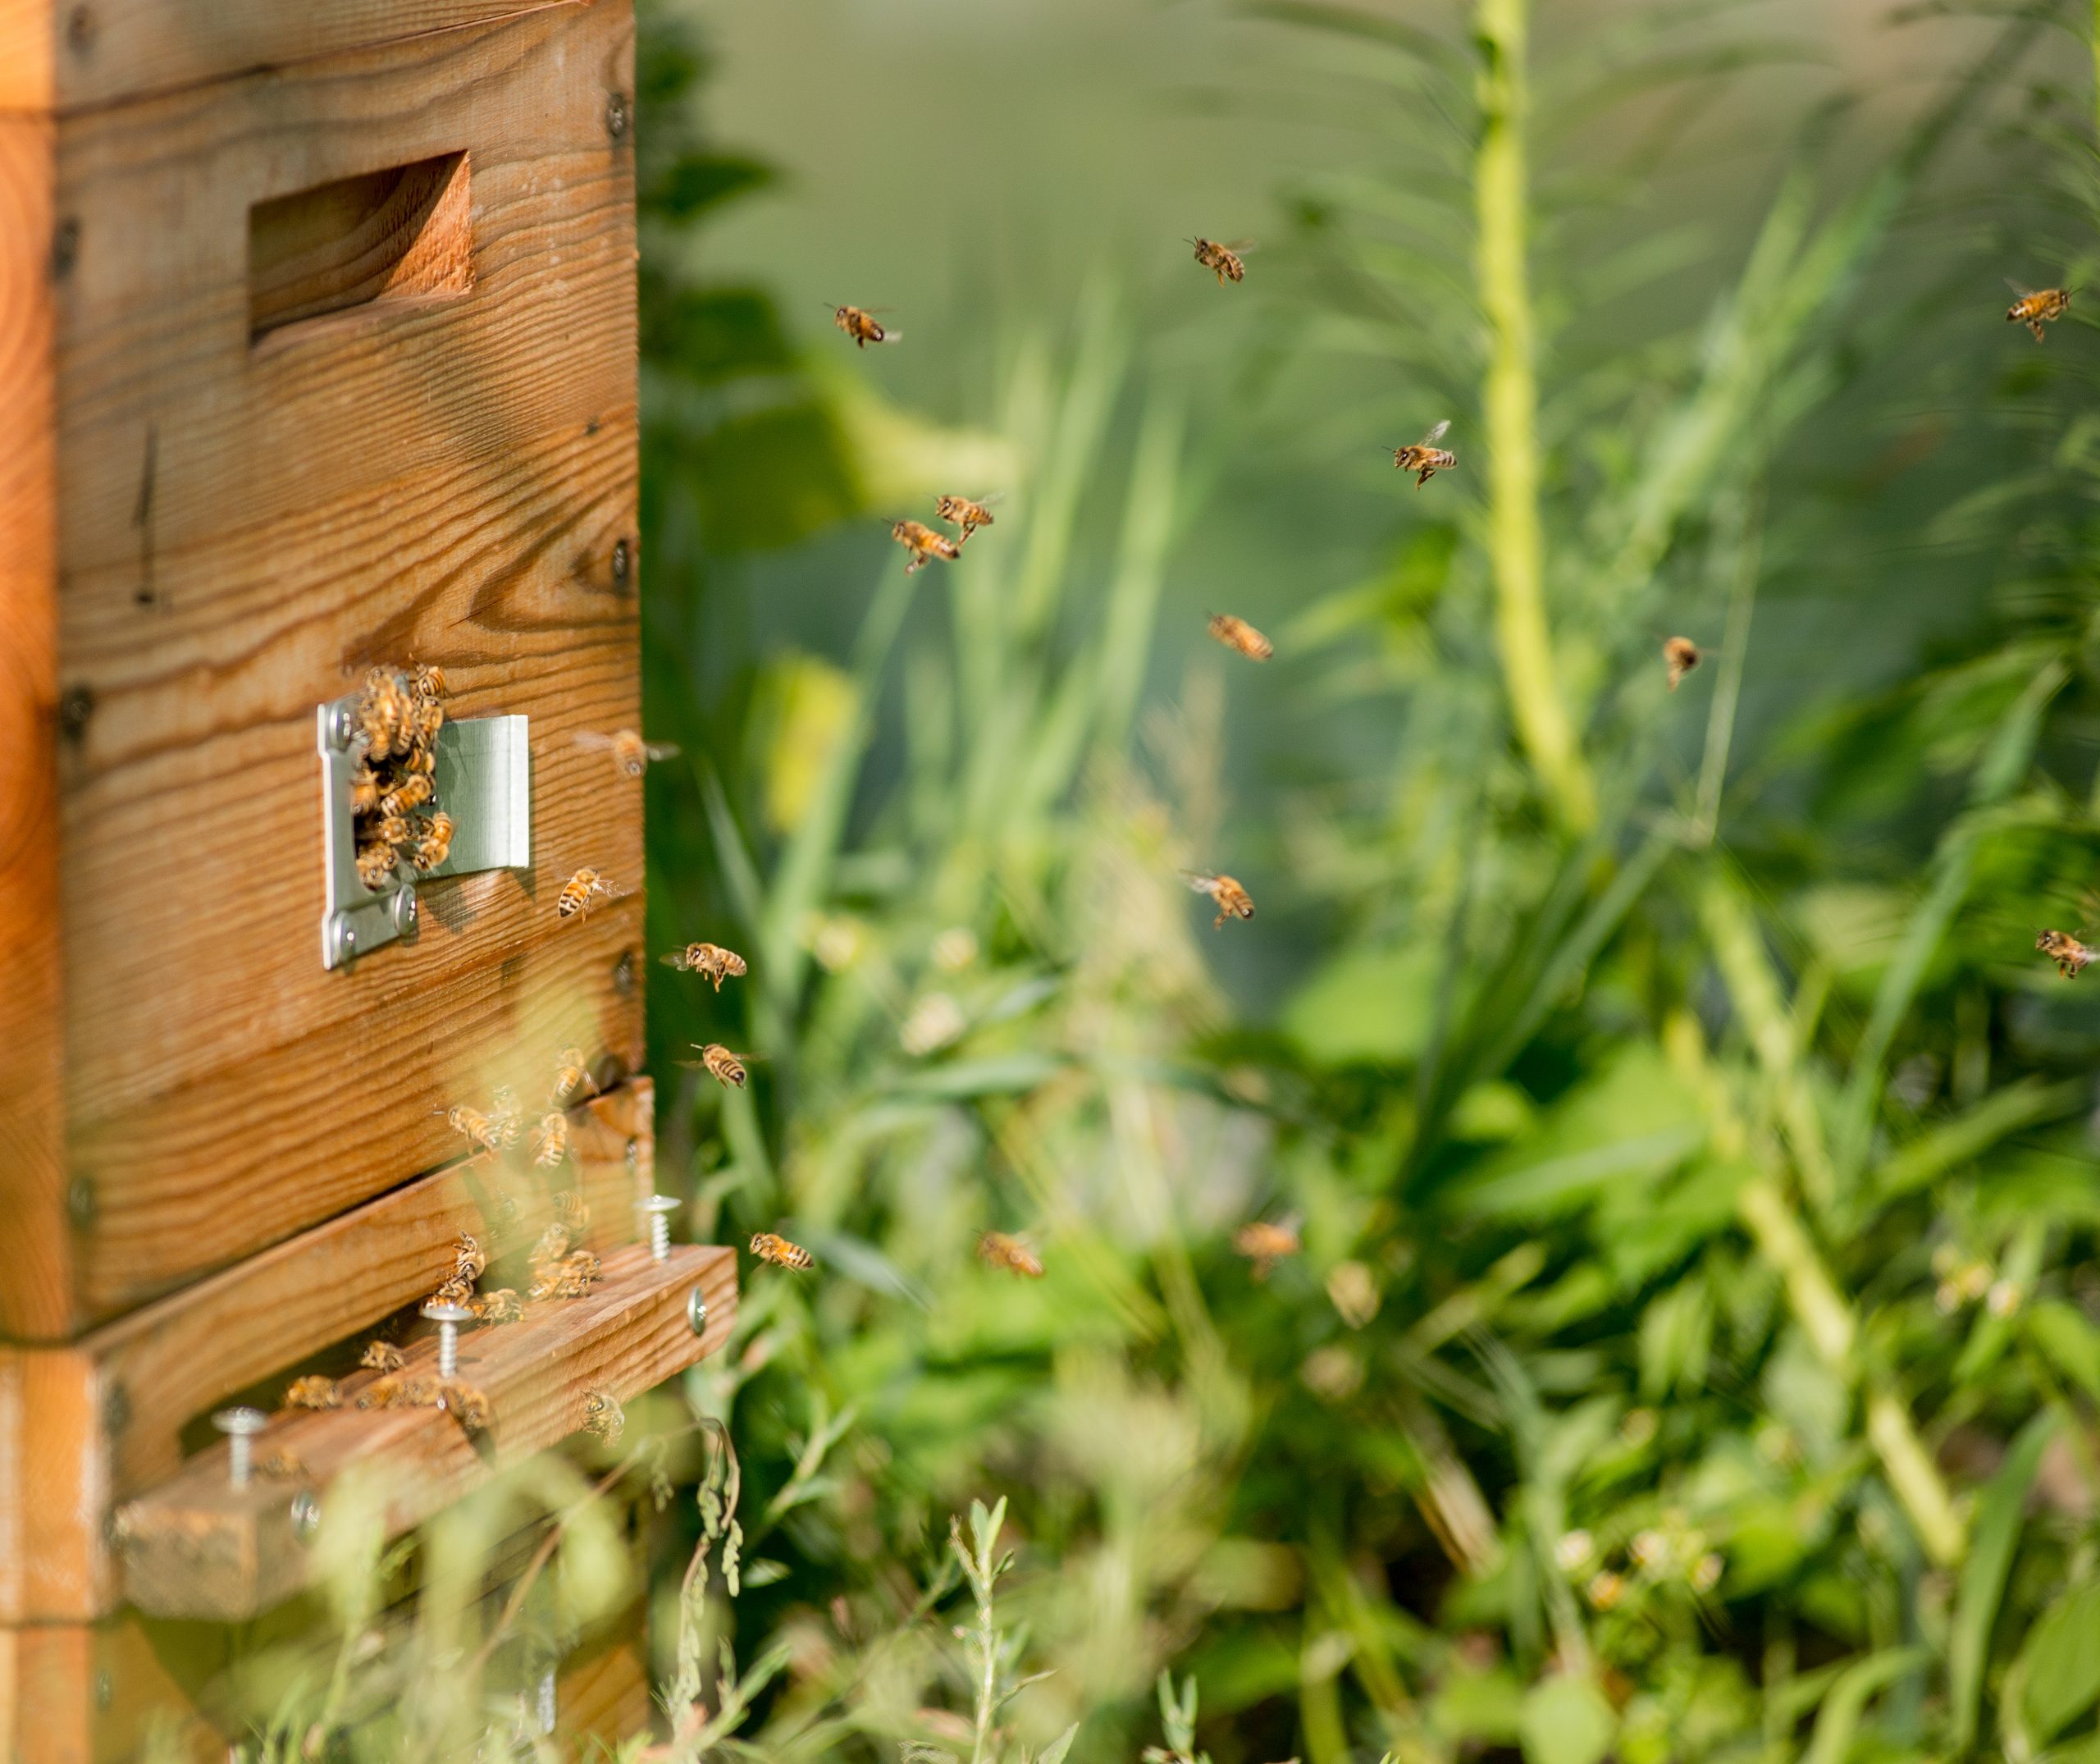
(1233, 901)
(721, 1065)
(1426, 459)
(923, 542)
(768, 1247)
(572, 1073)
(964, 512)
(860, 323)
(1223, 261)
(603, 1416)
(1680, 656)
(2037, 307)
(1264, 1244)
(710, 960)
(2069, 954)
(997, 1249)
(630, 752)
(550, 1140)
(474, 1125)
(577, 891)
(1236, 633)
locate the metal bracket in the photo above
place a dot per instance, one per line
(484, 782)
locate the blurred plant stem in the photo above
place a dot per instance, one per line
(1516, 549)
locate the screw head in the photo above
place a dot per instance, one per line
(448, 1314)
(80, 1201)
(341, 725)
(662, 1204)
(116, 1409)
(403, 911)
(235, 1422)
(306, 1515)
(696, 1311)
(342, 937)
(105, 1690)
(623, 563)
(76, 704)
(623, 974)
(618, 114)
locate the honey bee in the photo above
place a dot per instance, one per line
(501, 1306)
(1426, 459)
(469, 1407)
(432, 843)
(375, 865)
(710, 960)
(473, 1124)
(1680, 656)
(550, 1139)
(1265, 1245)
(390, 830)
(1233, 901)
(572, 1072)
(1223, 261)
(421, 760)
(860, 323)
(964, 512)
(469, 1259)
(1236, 633)
(395, 1391)
(313, 1392)
(768, 1247)
(573, 1211)
(923, 542)
(553, 1245)
(282, 1466)
(997, 1249)
(603, 1416)
(2069, 954)
(428, 682)
(577, 891)
(505, 1117)
(426, 719)
(381, 1356)
(568, 1278)
(630, 752)
(385, 713)
(364, 789)
(455, 1288)
(413, 792)
(721, 1065)
(2037, 307)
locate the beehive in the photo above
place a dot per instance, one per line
(316, 353)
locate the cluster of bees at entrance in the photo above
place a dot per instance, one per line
(393, 789)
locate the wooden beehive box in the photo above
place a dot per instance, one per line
(316, 353)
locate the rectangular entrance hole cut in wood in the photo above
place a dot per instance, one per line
(405, 233)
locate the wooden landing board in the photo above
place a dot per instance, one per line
(102, 1419)
(242, 529)
(198, 1547)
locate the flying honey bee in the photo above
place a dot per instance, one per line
(2037, 307)
(474, 1125)
(313, 1392)
(375, 865)
(385, 713)
(432, 843)
(997, 1249)
(571, 1074)
(550, 1140)
(1264, 1244)
(2070, 955)
(469, 1407)
(710, 960)
(413, 792)
(768, 1247)
(965, 513)
(553, 1245)
(573, 1213)
(381, 1356)
(1223, 261)
(860, 323)
(720, 1064)
(364, 789)
(1233, 901)
(603, 1416)
(505, 1116)
(501, 1306)
(630, 752)
(1426, 459)
(923, 542)
(577, 891)
(1680, 656)
(1236, 633)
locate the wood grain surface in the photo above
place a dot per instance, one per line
(197, 1546)
(70, 54)
(242, 531)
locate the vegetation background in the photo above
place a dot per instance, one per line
(1695, 1346)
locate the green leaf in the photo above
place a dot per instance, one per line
(2067, 1340)
(2060, 1664)
(1566, 1719)
(1369, 1007)
(1838, 1720)
(1983, 1575)
(1054, 1752)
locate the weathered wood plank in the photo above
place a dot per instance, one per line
(65, 54)
(196, 1546)
(103, 1419)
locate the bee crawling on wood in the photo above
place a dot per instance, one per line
(2037, 307)
(710, 961)
(1233, 901)
(603, 1416)
(314, 1391)
(1426, 459)
(470, 1261)
(923, 542)
(768, 1246)
(431, 841)
(725, 1067)
(455, 1288)
(1223, 261)
(469, 1407)
(381, 1356)
(501, 1306)
(550, 1140)
(997, 1249)
(578, 892)
(283, 1466)
(571, 1074)
(860, 323)
(630, 752)
(1264, 1244)
(570, 1278)
(1236, 633)
(966, 513)
(2071, 956)
(1680, 656)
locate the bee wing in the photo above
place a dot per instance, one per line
(1201, 884)
(589, 737)
(676, 959)
(890, 334)
(661, 750)
(1241, 247)
(1437, 434)
(2019, 288)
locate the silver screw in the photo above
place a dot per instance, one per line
(342, 937)
(448, 1318)
(696, 1311)
(240, 1426)
(341, 725)
(404, 909)
(660, 1207)
(306, 1515)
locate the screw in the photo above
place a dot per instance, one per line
(240, 1426)
(448, 1318)
(660, 1207)
(342, 938)
(80, 1201)
(75, 706)
(633, 1156)
(105, 1690)
(623, 974)
(341, 726)
(306, 1515)
(404, 912)
(616, 115)
(696, 1311)
(621, 563)
(116, 1409)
